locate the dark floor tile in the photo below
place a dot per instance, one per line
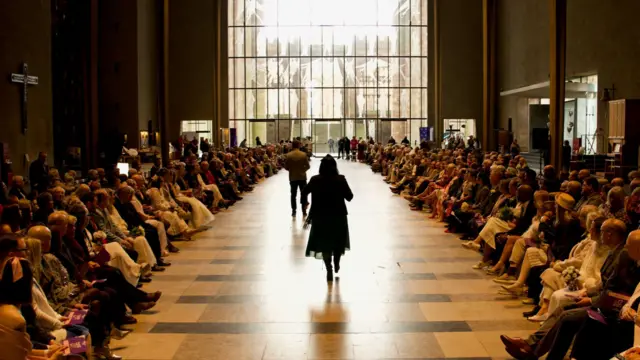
(196, 299)
(209, 328)
(403, 246)
(467, 358)
(205, 248)
(226, 261)
(503, 325)
(309, 328)
(251, 257)
(222, 299)
(245, 277)
(459, 276)
(418, 298)
(190, 261)
(480, 297)
(254, 248)
(426, 246)
(414, 276)
(258, 299)
(414, 327)
(238, 247)
(289, 328)
(339, 328)
(172, 277)
(449, 259)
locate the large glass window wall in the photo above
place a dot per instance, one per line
(360, 62)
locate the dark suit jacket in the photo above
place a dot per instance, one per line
(524, 221)
(129, 214)
(17, 193)
(102, 221)
(142, 197)
(486, 207)
(562, 237)
(620, 274)
(41, 216)
(481, 195)
(154, 170)
(297, 163)
(38, 174)
(328, 194)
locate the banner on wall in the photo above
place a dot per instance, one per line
(425, 133)
(233, 137)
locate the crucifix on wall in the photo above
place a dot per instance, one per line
(25, 80)
(451, 131)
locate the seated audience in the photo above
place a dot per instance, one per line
(89, 244)
(620, 275)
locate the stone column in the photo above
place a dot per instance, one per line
(557, 67)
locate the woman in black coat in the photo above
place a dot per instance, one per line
(329, 234)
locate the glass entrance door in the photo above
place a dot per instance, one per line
(397, 129)
(264, 129)
(322, 131)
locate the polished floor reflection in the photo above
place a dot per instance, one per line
(244, 289)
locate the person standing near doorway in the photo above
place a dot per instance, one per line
(331, 143)
(340, 147)
(566, 156)
(39, 172)
(346, 148)
(297, 163)
(354, 148)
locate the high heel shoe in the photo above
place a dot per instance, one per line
(471, 245)
(539, 318)
(494, 271)
(172, 248)
(514, 289)
(119, 334)
(104, 353)
(533, 312)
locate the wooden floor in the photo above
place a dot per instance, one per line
(244, 289)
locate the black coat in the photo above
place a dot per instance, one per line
(129, 214)
(524, 221)
(562, 237)
(39, 176)
(328, 194)
(346, 145)
(17, 193)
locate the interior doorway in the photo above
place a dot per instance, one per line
(323, 130)
(387, 128)
(459, 128)
(264, 130)
(196, 130)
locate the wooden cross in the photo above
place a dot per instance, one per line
(25, 79)
(451, 131)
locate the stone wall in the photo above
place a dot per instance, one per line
(148, 65)
(25, 36)
(460, 36)
(118, 69)
(602, 39)
(191, 62)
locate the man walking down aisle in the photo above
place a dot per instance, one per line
(297, 163)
